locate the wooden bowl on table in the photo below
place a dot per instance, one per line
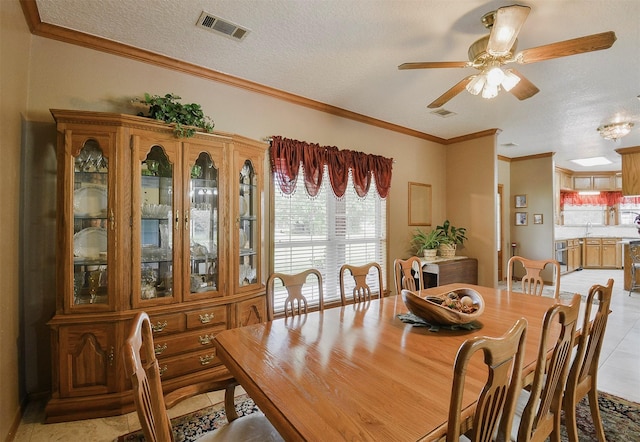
(433, 309)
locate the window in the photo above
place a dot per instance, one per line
(629, 209)
(581, 215)
(325, 232)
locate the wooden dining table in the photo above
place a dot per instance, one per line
(358, 372)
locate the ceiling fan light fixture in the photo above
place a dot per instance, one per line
(489, 91)
(510, 80)
(495, 76)
(614, 131)
(476, 84)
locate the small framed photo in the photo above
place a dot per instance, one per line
(537, 218)
(521, 218)
(521, 201)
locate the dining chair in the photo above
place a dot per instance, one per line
(539, 406)
(582, 380)
(634, 253)
(532, 282)
(143, 370)
(496, 403)
(361, 290)
(296, 302)
(406, 272)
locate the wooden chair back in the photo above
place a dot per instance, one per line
(532, 282)
(406, 271)
(361, 291)
(540, 417)
(497, 400)
(143, 370)
(296, 303)
(582, 378)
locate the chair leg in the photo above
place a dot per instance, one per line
(570, 419)
(229, 402)
(595, 414)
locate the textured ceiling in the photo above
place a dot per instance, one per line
(345, 53)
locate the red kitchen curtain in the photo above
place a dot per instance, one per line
(287, 156)
(608, 199)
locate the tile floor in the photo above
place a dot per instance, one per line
(619, 370)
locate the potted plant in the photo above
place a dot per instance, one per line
(185, 118)
(426, 244)
(450, 237)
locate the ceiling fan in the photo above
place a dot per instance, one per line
(489, 53)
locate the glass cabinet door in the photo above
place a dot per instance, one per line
(90, 231)
(248, 234)
(156, 225)
(203, 225)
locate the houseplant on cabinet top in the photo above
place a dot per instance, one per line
(426, 243)
(450, 237)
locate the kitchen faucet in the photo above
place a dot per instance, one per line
(586, 232)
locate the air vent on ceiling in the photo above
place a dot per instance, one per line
(442, 112)
(221, 26)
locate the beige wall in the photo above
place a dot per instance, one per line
(533, 177)
(14, 58)
(471, 187)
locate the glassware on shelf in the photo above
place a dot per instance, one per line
(203, 224)
(90, 212)
(156, 225)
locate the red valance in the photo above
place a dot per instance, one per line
(288, 155)
(608, 199)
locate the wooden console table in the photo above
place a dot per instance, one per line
(450, 270)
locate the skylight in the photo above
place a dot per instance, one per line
(595, 161)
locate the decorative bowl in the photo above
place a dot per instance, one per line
(431, 311)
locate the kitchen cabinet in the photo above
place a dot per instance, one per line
(610, 253)
(602, 253)
(147, 221)
(630, 170)
(593, 256)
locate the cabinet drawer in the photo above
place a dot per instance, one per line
(170, 345)
(188, 363)
(609, 241)
(166, 324)
(207, 317)
(593, 241)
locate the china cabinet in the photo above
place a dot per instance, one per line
(148, 221)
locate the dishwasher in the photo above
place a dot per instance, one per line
(562, 255)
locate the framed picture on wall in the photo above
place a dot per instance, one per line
(521, 201)
(521, 218)
(537, 218)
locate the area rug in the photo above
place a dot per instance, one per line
(620, 418)
(191, 426)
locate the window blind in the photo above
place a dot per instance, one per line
(325, 232)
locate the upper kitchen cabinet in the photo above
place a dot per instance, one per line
(147, 221)
(630, 170)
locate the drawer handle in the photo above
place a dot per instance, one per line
(163, 369)
(206, 339)
(160, 349)
(159, 326)
(206, 359)
(206, 318)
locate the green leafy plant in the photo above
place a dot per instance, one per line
(424, 241)
(450, 234)
(186, 118)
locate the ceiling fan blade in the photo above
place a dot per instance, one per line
(589, 43)
(506, 26)
(524, 89)
(455, 90)
(434, 64)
